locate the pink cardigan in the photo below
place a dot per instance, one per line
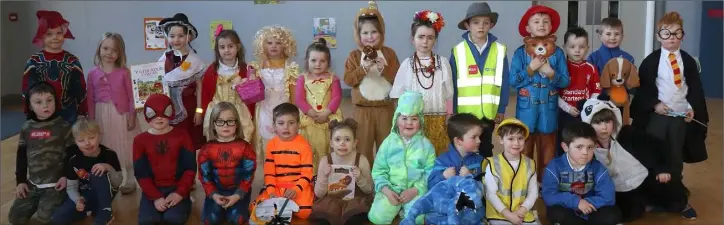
(121, 90)
(301, 95)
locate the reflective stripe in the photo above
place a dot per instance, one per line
(479, 88)
(485, 99)
(512, 184)
(476, 82)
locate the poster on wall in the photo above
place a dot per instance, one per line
(147, 79)
(268, 2)
(225, 25)
(326, 28)
(155, 38)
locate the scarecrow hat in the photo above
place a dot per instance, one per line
(555, 19)
(50, 20)
(478, 9)
(178, 19)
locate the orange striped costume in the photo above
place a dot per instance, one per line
(288, 164)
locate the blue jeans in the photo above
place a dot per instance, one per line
(176, 215)
(98, 196)
(215, 214)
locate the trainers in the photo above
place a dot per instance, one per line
(689, 213)
(104, 217)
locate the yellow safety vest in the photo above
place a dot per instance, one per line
(512, 185)
(479, 93)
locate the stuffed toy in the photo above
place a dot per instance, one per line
(618, 76)
(457, 200)
(273, 211)
(544, 46)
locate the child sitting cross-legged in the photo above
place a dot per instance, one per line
(510, 178)
(576, 188)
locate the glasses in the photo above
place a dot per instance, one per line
(666, 34)
(225, 122)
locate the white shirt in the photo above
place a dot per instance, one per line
(440, 85)
(491, 189)
(479, 47)
(227, 71)
(669, 94)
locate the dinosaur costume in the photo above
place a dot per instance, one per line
(458, 200)
(401, 164)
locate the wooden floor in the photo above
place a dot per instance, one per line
(703, 179)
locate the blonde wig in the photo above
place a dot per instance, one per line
(284, 36)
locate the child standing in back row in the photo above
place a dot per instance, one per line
(610, 33)
(537, 80)
(429, 74)
(480, 72)
(110, 103)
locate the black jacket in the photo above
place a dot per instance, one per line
(646, 99)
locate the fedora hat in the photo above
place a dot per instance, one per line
(478, 9)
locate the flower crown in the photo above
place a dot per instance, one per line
(432, 17)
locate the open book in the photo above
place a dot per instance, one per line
(341, 178)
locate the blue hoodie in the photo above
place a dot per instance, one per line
(480, 58)
(600, 57)
(592, 184)
(452, 158)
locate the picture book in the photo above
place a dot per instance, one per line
(341, 178)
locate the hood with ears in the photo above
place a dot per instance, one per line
(595, 105)
(369, 11)
(409, 104)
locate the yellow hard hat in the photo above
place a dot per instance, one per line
(513, 121)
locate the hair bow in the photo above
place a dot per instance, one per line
(219, 28)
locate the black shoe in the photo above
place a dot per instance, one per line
(689, 213)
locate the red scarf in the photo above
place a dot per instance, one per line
(208, 86)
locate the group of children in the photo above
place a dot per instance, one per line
(449, 109)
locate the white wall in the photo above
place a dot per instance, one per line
(690, 12)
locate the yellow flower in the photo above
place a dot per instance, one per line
(185, 65)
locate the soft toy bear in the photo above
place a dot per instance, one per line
(544, 46)
(457, 200)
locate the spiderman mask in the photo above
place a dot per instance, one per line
(158, 105)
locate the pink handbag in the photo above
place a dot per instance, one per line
(251, 91)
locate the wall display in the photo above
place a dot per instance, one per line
(155, 39)
(326, 28)
(214, 26)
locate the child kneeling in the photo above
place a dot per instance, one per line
(93, 176)
(510, 178)
(403, 163)
(576, 188)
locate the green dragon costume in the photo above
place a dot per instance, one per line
(401, 164)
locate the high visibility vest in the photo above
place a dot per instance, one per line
(479, 93)
(512, 185)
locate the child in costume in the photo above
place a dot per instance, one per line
(41, 150)
(274, 49)
(576, 188)
(165, 165)
(670, 98)
(57, 67)
(480, 72)
(511, 188)
(331, 207)
(318, 95)
(610, 33)
(227, 164)
(369, 70)
(228, 70)
(288, 164)
(584, 79)
(458, 200)
(429, 74)
(94, 175)
(627, 172)
(462, 157)
(110, 103)
(403, 164)
(537, 80)
(183, 76)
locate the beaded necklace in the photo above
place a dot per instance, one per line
(419, 68)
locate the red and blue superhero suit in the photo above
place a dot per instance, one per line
(62, 70)
(226, 168)
(163, 164)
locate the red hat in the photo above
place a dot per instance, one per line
(158, 105)
(555, 18)
(50, 20)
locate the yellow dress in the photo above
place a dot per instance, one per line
(318, 95)
(225, 93)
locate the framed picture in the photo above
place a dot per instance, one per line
(155, 39)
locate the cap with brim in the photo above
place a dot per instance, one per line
(513, 121)
(478, 9)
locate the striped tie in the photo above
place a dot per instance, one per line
(676, 69)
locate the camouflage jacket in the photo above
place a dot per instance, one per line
(41, 151)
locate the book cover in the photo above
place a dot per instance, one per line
(147, 79)
(341, 178)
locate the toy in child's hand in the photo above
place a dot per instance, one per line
(544, 46)
(618, 76)
(683, 114)
(278, 219)
(457, 200)
(370, 53)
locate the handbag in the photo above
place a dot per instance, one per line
(251, 91)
